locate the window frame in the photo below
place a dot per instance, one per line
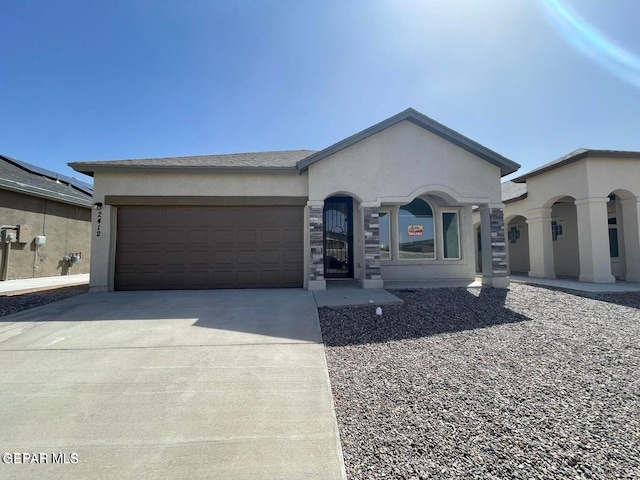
(434, 218)
(457, 214)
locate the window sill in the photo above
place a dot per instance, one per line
(404, 263)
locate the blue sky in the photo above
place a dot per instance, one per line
(530, 79)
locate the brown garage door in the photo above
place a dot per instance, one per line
(208, 247)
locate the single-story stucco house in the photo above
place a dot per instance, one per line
(578, 216)
(390, 203)
(45, 222)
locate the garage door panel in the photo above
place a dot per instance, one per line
(209, 247)
(292, 236)
(292, 277)
(197, 257)
(223, 257)
(139, 237)
(246, 257)
(222, 236)
(270, 236)
(246, 236)
(270, 257)
(292, 257)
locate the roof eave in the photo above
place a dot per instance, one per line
(516, 199)
(90, 169)
(552, 166)
(579, 155)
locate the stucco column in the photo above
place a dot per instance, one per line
(372, 277)
(494, 251)
(103, 240)
(316, 279)
(540, 243)
(631, 228)
(593, 240)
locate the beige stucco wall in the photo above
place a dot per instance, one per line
(405, 160)
(200, 183)
(588, 178)
(67, 229)
(519, 251)
(566, 252)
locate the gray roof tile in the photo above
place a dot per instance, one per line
(17, 178)
(574, 156)
(278, 159)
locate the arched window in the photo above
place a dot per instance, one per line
(415, 231)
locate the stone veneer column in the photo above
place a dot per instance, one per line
(494, 258)
(372, 277)
(541, 263)
(593, 240)
(631, 227)
(316, 245)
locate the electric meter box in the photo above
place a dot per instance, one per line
(8, 236)
(40, 240)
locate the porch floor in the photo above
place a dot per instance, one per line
(343, 293)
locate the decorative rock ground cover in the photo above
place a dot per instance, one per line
(529, 383)
(16, 303)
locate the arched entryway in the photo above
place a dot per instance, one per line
(338, 237)
(622, 245)
(564, 235)
(517, 238)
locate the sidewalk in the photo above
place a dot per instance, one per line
(14, 287)
(573, 284)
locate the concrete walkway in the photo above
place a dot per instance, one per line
(572, 284)
(349, 293)
(226, 384)
(14, 287)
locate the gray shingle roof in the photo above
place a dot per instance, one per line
(18, 177)
(574, 156)
(513, 191)
(259, 160)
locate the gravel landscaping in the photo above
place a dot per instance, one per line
(529, 383)
(16, 303)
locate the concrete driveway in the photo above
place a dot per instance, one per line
(228, 384)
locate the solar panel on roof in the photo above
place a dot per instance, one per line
(80, 185)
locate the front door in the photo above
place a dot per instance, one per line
(338, 237)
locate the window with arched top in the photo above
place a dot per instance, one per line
(416, 231)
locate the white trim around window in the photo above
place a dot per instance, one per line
(417, 229)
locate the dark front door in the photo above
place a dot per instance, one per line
(338, 237)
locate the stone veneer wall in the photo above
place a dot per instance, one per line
(316, 227)
(371, 244)
(498, 244)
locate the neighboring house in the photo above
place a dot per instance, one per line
(391, 203)
(578, 216)
(45, 222)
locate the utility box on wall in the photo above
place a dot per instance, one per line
(8, 236)
(25, 234)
